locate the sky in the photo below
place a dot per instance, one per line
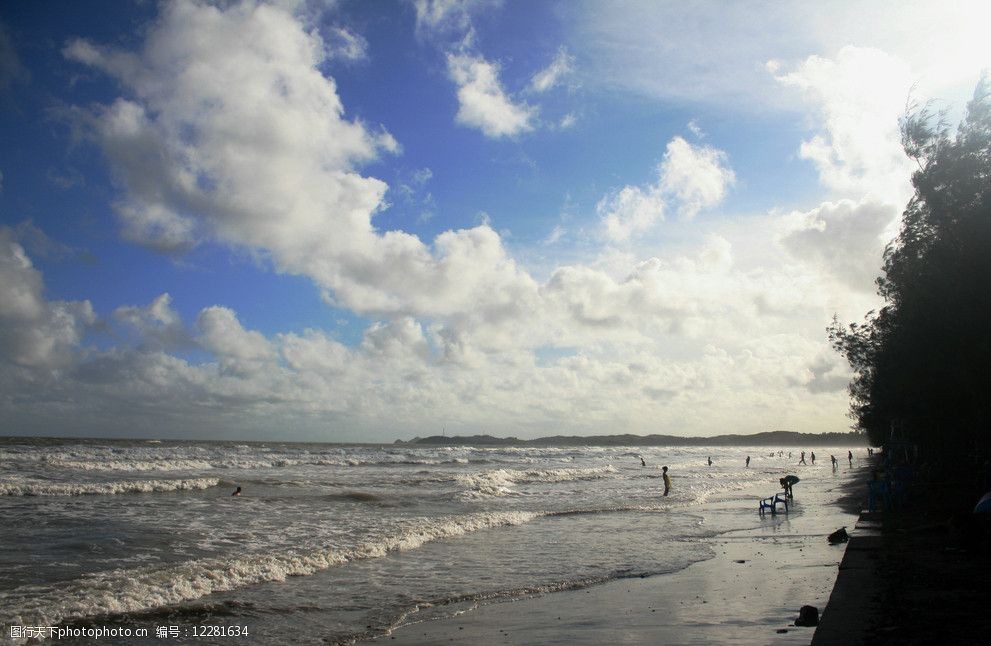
(368, 221)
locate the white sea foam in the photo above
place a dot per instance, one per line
(45, 488)
(98, 464)
(132, 590)
(149, 463)
(498, 482)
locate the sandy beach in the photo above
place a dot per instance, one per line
(750, 592)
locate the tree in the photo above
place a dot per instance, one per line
(923, 361)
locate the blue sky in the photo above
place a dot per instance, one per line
(368, 221)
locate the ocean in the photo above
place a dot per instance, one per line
(334, 543)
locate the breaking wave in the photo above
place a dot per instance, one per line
(498, 481)
(44, 488)
(132, 590)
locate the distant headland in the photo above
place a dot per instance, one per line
(768, 438)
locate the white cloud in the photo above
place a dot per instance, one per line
(343, 43)
(157, 324)
(697, 176)
(562, 65)
(630, 210)
(442, 16)
(714, 52)
(206, 150)
(860, 95)
(844, 239)
(651, 345)
(692, 339)
(35, 333)
(482, 103)
(692, 177)
(240, 352)
(568, 121)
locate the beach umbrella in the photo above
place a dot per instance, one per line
(984, 504)
(795, 479)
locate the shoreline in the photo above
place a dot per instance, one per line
(750, 591)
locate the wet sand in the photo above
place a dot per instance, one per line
(750, 592)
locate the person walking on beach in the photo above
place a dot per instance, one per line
(710, 460)
(748, 461)
(849, 456)
(802, 460)
(813, 457)
(667, 480)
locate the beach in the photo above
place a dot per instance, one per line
(342, 544)
(749, 592)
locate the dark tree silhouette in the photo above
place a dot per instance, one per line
(922, 363)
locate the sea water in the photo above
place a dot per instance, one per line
(331, 543)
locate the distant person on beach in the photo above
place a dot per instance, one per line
(849, 456)
(710, 460)
(802, 460)
(237, 492)
(813, 456)
(748, 461)
(667, 480)
(832, 458)
(642, 463)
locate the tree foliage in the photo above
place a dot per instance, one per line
(922, 362)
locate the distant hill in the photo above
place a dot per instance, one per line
(767, 438)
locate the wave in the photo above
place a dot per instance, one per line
(122, 591)
(498, 482)
(101, 463)
(44, 488)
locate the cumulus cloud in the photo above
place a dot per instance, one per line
(860, 96)
(691, 177)
(642, 347)
(844, 239)
(631, 210)
(233, 134)
(228, 132)
(482, 102)
(156, 325)
(828, 373)
(238, 349)
(35, 333)
(698, 176)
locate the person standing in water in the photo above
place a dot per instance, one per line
(710, 460)
(748, 461)
(237, 492)
(832, 458)
(849, 456)
(667, 480)
(642, 463)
